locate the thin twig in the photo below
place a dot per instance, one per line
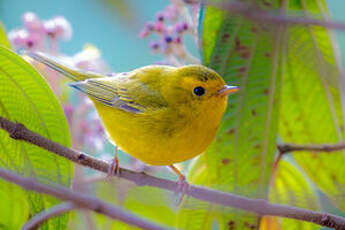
(254, 13)
(40, 218)
(259, 206)
(79, 199)
(289, 147)
(286, 148)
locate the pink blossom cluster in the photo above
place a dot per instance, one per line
(38, 34)
(171, 25)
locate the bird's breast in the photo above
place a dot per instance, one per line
(161, 137)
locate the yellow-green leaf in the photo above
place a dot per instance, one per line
(291, 187)
(311, 106)
(25, 97)
(247, 54)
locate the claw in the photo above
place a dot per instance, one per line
(114, 168)
(182, 184)
(182, 188)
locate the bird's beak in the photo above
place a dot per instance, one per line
(227, 89)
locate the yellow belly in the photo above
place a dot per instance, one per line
(159, 139)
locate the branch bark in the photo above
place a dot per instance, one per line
(40, 218)
(289, 147)
(258, 206)
(256, 14)
(79, 199)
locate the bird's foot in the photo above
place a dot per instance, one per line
(182, 188)
(114, 168)
(182, 184)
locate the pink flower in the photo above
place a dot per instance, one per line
(160, 16)
(58, 27)
(37, 33)
(32, 23)
(170, 26)
(159, 26)
(18, 37)
(171, 12)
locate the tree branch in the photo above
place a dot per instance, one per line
(256, 14)
(40, 218)
(289, 147)
(261, 207)
(79, 199)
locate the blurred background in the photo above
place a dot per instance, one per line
(112, 26)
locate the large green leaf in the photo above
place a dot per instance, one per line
(292, 188)
(193, 213)
(311, 109)
(12, 216)
(25, 97)
(255, 57)
(246, 54)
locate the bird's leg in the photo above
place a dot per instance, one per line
(114, 168)
(181, 177)
(182, 184)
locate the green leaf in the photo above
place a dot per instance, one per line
(311, 107)
(11, 216)
(248, 55)
(145, 201)
(14, 209)
(3, 38)
(292, 188)
(193, 213)
(25, 97)
(151, 203)
(209, 15)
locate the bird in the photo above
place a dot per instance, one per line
(159, 114)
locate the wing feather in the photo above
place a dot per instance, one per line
(123, 92)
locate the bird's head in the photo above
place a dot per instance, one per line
(197, 87)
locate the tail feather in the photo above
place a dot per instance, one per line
(57, 65)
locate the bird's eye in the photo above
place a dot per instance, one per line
(199, 91)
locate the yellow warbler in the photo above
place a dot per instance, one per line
(159, 114)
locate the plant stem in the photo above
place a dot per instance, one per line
(289, 147)
(40, 218)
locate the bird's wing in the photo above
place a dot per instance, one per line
(123, 92)
(137, 91)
